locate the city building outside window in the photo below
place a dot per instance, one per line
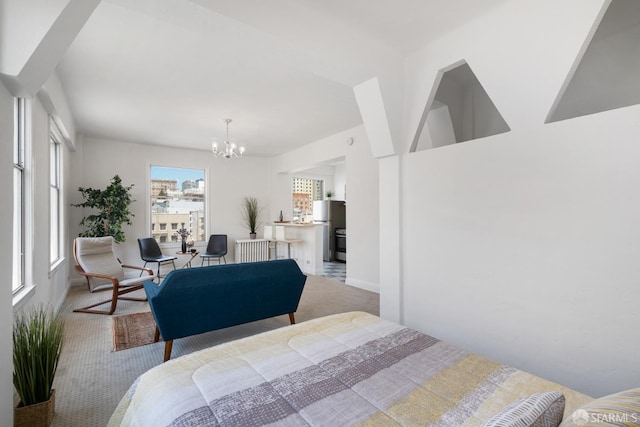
(178, 196)
(304, 192)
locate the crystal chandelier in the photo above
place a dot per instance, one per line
(231, 149)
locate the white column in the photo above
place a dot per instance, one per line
(378, 113)
(391, 307)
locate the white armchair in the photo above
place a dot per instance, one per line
(96, 261)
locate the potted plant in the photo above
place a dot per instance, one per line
(329, 194)
(37, 342)
(112, 205)
(250, 213)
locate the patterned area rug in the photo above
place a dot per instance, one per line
(133, 330)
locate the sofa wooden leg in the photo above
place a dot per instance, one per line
(167, 350)
(292, 319)
(156, 337)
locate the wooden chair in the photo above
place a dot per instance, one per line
(96, 261)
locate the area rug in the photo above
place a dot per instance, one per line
(133, 330)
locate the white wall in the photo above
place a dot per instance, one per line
(228, 181)
(361, 177)
(524, 246)
(40, 184)
(54, 100)
(17, 40)
(363, 237)
(48, 287)
(6, 248)
(340, 181)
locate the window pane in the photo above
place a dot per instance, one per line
(54, 224)
(54, 196)
(18, 230)
(177, 198)
(305, 191)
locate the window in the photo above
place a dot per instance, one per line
(304, 192)
(177, 197)
(18, 267)
(55, 193)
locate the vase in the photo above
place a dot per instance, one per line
(37, 415)
(252, 236)
(184, 245)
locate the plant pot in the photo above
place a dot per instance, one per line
(38, 415)
(252, 236)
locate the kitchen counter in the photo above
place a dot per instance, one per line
(304, 244)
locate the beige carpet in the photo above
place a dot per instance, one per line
(92, 378)
(133, 330)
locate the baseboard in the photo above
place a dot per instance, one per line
(367, 286)
(60, 303)
(77, 282)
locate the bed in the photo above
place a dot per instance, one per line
(345, 369)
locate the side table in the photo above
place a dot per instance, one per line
(193, 254)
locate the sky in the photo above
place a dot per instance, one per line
(161, 172)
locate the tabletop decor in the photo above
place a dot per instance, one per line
(183, 233)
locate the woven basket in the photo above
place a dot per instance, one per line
(38, 415)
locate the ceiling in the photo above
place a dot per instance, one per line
(167, 72)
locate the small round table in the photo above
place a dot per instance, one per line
(193, 255)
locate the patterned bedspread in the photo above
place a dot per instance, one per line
(346, 369)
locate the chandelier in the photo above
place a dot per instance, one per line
(230, 149)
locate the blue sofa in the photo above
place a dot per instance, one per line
(201, 299)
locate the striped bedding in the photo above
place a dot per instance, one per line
(346, 369)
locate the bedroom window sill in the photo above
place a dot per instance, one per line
(21, 297)
(55, 266)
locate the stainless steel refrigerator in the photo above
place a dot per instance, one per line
(332, 214)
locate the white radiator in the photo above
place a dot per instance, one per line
(252, 250)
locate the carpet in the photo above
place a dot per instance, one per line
(92, 378)
(133, 330)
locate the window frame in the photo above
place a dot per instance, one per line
(167, 237)
(56, 235)
(316, 194)
(18, 279)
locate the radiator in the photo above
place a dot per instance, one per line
(252, 250)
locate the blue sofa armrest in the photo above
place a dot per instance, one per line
(151, 289)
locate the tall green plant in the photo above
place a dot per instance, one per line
(112, 205)
(250, 213)
(37, 342)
